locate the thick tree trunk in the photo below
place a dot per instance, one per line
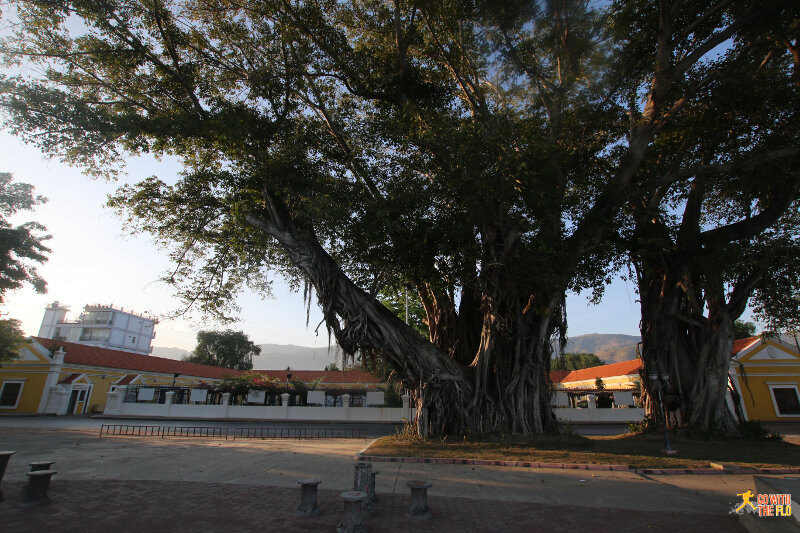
(709, 410)
(506, 388)
(693, 350)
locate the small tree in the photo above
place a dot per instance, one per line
(743, 330)
(228, 349)
(575, 361)
(11, 338)
(599, 384)
(22, 245)
(332, 368)
(19, 247)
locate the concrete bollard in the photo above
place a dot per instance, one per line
(419, 500)
(361, 483)
(41, 465)
(308, 498)
(4, 457)
(38, 483)
(373, 496)
(351, 517)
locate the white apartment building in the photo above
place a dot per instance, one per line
(100, 325)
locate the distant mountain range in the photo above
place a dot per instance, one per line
(611, 348)
(277, 356)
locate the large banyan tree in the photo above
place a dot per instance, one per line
(706, 246)
(476, 153)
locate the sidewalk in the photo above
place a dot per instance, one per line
(81, 506)
(133, 484)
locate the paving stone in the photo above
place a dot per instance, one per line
(165, 506)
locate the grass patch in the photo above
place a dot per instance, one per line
(636, 451)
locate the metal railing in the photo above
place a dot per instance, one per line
(298, 433)
(124, 430)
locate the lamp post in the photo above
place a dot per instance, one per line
(174, 377)
(288, 377)
(655, 381)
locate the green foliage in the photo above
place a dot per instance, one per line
(743, 330)
(567, 429)
(247, 381)
(20, 246)
(408, 434)
(227, 349)
(11, 339)
(391, 397)
(575, 361)
(646, 425)
(332, 368)
(599, 384)
(753, 430)
(489, 157)
(397, 300)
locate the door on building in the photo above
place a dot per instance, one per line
(78, 399)
(80, 404)
(73, 399)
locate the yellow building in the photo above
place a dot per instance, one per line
(59, 377)
(766, 374)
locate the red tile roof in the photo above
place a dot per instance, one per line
(557, 375)
(126, 380)
(338, 376)
(83, 354)
(625, 368)
(743, 344)
(69, 379)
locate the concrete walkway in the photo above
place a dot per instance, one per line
(213, 484)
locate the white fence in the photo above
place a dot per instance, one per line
(599, 416)
(115, 406)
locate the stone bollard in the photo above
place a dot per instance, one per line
(308, 498)
(419, 500)
(351, 517)
(41, 465)
(373, 496)
(38, 483)
(361, 483)
(4, 457)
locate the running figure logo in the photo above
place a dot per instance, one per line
(746, 501)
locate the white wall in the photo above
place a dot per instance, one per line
(594, 416)
(262, 412)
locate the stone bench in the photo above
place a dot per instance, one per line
(373, 496)
(308, 498)
(419, 500)
(41, 465)
(361, 483)
(38, 483)
(351, 516)
(4, 457)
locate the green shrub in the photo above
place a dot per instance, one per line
(753, 430)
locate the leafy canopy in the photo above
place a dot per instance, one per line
(227, 349)
(21, 246)
(575, 361)
(11, 338)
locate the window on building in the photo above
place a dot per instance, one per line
(786, 399)
(133, 340)
(10, 393)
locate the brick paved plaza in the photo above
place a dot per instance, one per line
(194, 506)
(141, 484)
